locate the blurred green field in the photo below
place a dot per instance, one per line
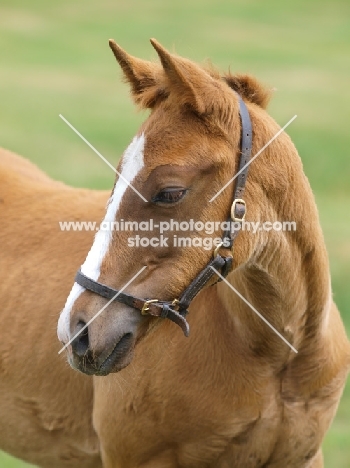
(55, 59)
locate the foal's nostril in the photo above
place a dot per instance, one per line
(80, 344)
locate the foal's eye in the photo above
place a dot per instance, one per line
(169, 195)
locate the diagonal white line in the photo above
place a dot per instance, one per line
(101, 310)
(102, 157)
(254, 310)
(254, 157)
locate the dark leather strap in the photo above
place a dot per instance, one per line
(246, 149)
(176, 310)
(156, 309)
(201, 280)
(164, 309)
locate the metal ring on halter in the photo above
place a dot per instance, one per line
(217, 248)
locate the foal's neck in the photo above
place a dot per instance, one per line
(284, 275)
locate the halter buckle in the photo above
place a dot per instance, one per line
(175, 304)
(233, 208)
(145, 307)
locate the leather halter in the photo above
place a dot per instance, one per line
(176, 310)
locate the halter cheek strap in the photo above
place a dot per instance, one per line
(176, 310)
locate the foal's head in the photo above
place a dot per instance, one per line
(183, 154)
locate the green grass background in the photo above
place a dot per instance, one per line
(54, 59)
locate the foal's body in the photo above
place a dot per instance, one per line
(45, 408)
(234, 409)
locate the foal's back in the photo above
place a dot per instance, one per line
(45, 407)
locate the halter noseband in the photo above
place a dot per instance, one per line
(176, 310)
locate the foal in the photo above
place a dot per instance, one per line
(233, 394)
(45, 409)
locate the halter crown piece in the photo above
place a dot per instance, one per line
(176, 310)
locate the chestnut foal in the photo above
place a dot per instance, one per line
(232, 394)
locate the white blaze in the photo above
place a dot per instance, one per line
(132, 163)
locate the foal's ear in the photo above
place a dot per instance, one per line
(192, 85)
(145, 78)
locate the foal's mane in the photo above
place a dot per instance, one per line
(249, 88)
